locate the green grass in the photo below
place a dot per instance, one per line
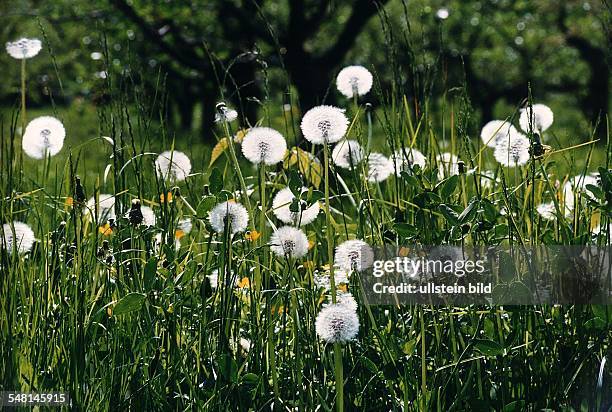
(128, 325)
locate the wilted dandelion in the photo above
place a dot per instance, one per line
(337, 323)
(264, 145)
(380, 167)
(23, 48)
(225, 114)
(448, 165)
(353, 255)
(105, 207)
(282, 204)
(406, 159)
(43, 136)
(496, 130)
(173, 165)
(231, 213)
(289, 242)
(540, 118)
(512, 150)
(324, 124)
(354, 81)
(547, 211)
(347, 154)
(20, 241)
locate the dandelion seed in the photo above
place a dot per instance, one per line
(231, 213)
(354, 255)
(496, 130)
(23, 48)
(380, 167)
(448, 165)
(406, 159)
(289, 242)
(324, 124)
(264, 145)
(43, 136)
(347, 154)
(512, 151)
(540, 120)
(547, 211)
(282, 204)
(225, 114)
(105, 207)
(577, 186)
(337, 323)
(21, 241)
(172, 165)
(354, 81)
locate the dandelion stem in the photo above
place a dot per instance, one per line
(23, 96)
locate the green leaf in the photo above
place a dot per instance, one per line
(597, 192)
(449, 214)
(469, 211)
(404, 229)
(295, 182)
(249, 379)
(371, 366)
(449, 186)
(206, 205)
(150, 270)
(409, 346)
(410, 179)
(215, 181)
(488, 347)
(516, 406)
(315, 196)
(228, 368)
(129, 303)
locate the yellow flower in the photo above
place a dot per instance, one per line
(252, 235)
(105, 230)
(179, 234)
(309, 264)
(404, 251)
(163, 198)
(244, 283)
(310, 244)
(69, 201)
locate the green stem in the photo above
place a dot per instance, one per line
(23, 96)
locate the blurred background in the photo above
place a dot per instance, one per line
(269, 56)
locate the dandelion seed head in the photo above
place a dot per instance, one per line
(547, 210)
(354, 80)
(225, 114)
(290, 242)
(380, 167)
(148, 216)
(337, 323)
(347, 154)
(345, 298)
(513, 150)
(324, 124)
(43, 136)
(541, 118)
(23, 48)
(264, 145)
(21, 241)
(322, 278)
(442, 13)
(185, 225)
(405, 159)
(354, 255)
(496, 130)
(174, 166)
(232, 213)
(281, 207)
(577, 187)
(105, 208)
(448, 165)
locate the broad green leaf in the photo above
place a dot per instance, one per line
(129, 303)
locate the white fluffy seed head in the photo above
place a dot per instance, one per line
(496, 130)
(406, 158)
(354, 255)
(576, 187)
(337, 323)
(231, 213)
(512, 150)
(322, 278)
(345, 298)
(105, 208)
(281, 207)
(174, 166)
(23, 48)
(43, 136)
(380, 167)
(547, 211)
(225, 114)
(21, 241)
(324, 124)
(347, 154)
(448, 165)
(148, 216)
(289, 242)
(539, 119)
(264, 145)
(354, 80)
